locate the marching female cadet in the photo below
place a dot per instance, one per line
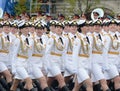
(5, 40)
(69, 63)
(37, 59)
(66, 31)
(14, 34)
(65, 35)
(46, 37)
(98, 65)
(49, 35)
(54, 49)
(90, 29)
(112, 47)
(23, 50)
(69, 69)
(82, 53)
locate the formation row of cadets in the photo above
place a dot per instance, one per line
(90, 56)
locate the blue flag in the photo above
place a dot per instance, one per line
(7, 6)
(10, 7)
(2, 7)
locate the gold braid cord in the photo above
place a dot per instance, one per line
(95, 44)
(23, 46)
(3, 43)
(38, 46)
(59, 45)
(71, 42)
(85, 46)
(114, 40)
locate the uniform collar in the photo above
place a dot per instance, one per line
(83, 35)
(112, 33)
(51, 33)
(4, 34)
(88, 33)
(95, 33)
(37, 37)
(57, 36)
(64, 33)
(71, 35)
(24, 37)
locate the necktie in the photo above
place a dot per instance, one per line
(74, 36)
(41, 41)
(99, 37)
(61, 40)
(116, 36)
(8, 38)
(28, 34)
(87, 40)
(27, 41)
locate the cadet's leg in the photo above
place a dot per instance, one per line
(8, 77)
(61, 82)
(117, 83)
(76, 86)
(89, 86)
(104, 85)
(14, 85)
(43, 83)
(28, 84)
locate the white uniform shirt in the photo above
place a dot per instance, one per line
(98, 47)
(27, 48)
(5, 46)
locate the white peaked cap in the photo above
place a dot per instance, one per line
(79, 22)
(21, 23)
(43, 22)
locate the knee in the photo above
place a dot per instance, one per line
(8, 74)
(61, 79)
(28, 80)
(103, 82)
(89, 84)
(117, 79)
(43, 80)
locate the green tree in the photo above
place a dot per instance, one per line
(83, 5)
(20, 7)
